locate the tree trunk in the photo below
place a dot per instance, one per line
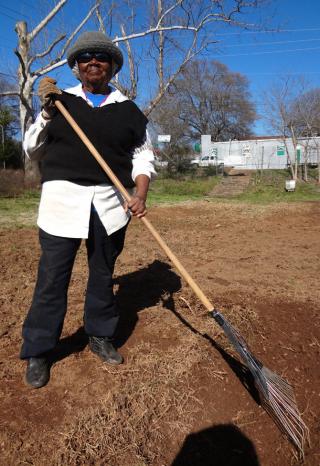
(294, 142)
(26, 80)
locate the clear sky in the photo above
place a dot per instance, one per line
(261, 57)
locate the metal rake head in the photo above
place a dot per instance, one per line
(282, 407)
(276, 394)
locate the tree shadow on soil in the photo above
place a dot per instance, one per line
(241, 371)
(142, 289)
(221, 445)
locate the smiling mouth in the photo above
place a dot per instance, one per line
(93, 68)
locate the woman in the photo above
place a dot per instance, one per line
(78, 200)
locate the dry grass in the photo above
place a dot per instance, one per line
(243, 318)
(152, 400)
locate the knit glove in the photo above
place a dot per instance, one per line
(46, 89)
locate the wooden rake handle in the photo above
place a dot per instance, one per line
(117, 183)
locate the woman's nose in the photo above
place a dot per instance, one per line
(94, 60)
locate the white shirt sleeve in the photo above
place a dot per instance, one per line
(143, 160)
(35, 138)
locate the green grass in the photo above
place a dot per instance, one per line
(175, 190)
(270, 187)
(19, 211)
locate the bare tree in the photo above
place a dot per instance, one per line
(173, 34)
(168, 33)
(306, 116)
(292, 111)
(29, 69)
(208, 99)
(278, 101)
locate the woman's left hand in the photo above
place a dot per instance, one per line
(137, 206)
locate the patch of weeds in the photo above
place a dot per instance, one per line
(269, 186)
(178, 190)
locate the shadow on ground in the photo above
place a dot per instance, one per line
(137, 291)
(240, 370)
(222, 445)
(74, 343)
(142, 289)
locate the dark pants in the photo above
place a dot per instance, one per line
(43, 325)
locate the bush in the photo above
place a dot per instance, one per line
(11, 183)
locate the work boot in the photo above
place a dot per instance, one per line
(38, 372)
(103, 347)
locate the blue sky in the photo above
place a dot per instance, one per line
(261, 57)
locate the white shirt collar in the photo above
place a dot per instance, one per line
(114, 96)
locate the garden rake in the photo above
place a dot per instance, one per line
(276, 395)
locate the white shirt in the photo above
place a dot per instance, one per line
(65, 207)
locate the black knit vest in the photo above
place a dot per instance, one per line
(114, 129)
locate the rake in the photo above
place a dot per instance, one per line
(276, 394)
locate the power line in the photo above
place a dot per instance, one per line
(252, 44)
(270, 51)
(285, 72)
(13, 11)
(28, 4)
(275, 31)
(8, 16)
(6, 74)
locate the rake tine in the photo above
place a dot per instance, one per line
(276, 394)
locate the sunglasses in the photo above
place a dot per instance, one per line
(86, 57)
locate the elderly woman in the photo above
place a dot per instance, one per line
(79, 201)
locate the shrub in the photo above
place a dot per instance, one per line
(11, 183)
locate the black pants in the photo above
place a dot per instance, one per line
(43, 325)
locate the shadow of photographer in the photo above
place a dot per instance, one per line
(221, 445)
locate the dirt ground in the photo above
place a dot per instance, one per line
(180, 398)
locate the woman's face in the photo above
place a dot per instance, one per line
(95, 69)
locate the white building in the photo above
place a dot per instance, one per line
(261, 153)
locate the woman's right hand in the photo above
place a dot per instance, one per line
(46, 89)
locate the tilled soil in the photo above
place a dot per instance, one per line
(182, 397)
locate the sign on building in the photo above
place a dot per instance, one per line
(214, 151)
(246, 150)
(280, 151)
(164, 137)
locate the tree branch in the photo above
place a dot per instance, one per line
(46, 20)
(51, 66)
(48, 50)
(100, 21)
(22, 65)
(10, 93)
(189, 56)
(133, 79)
(161, 48)
(57, 62)
(83, 22)
(212, 17)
